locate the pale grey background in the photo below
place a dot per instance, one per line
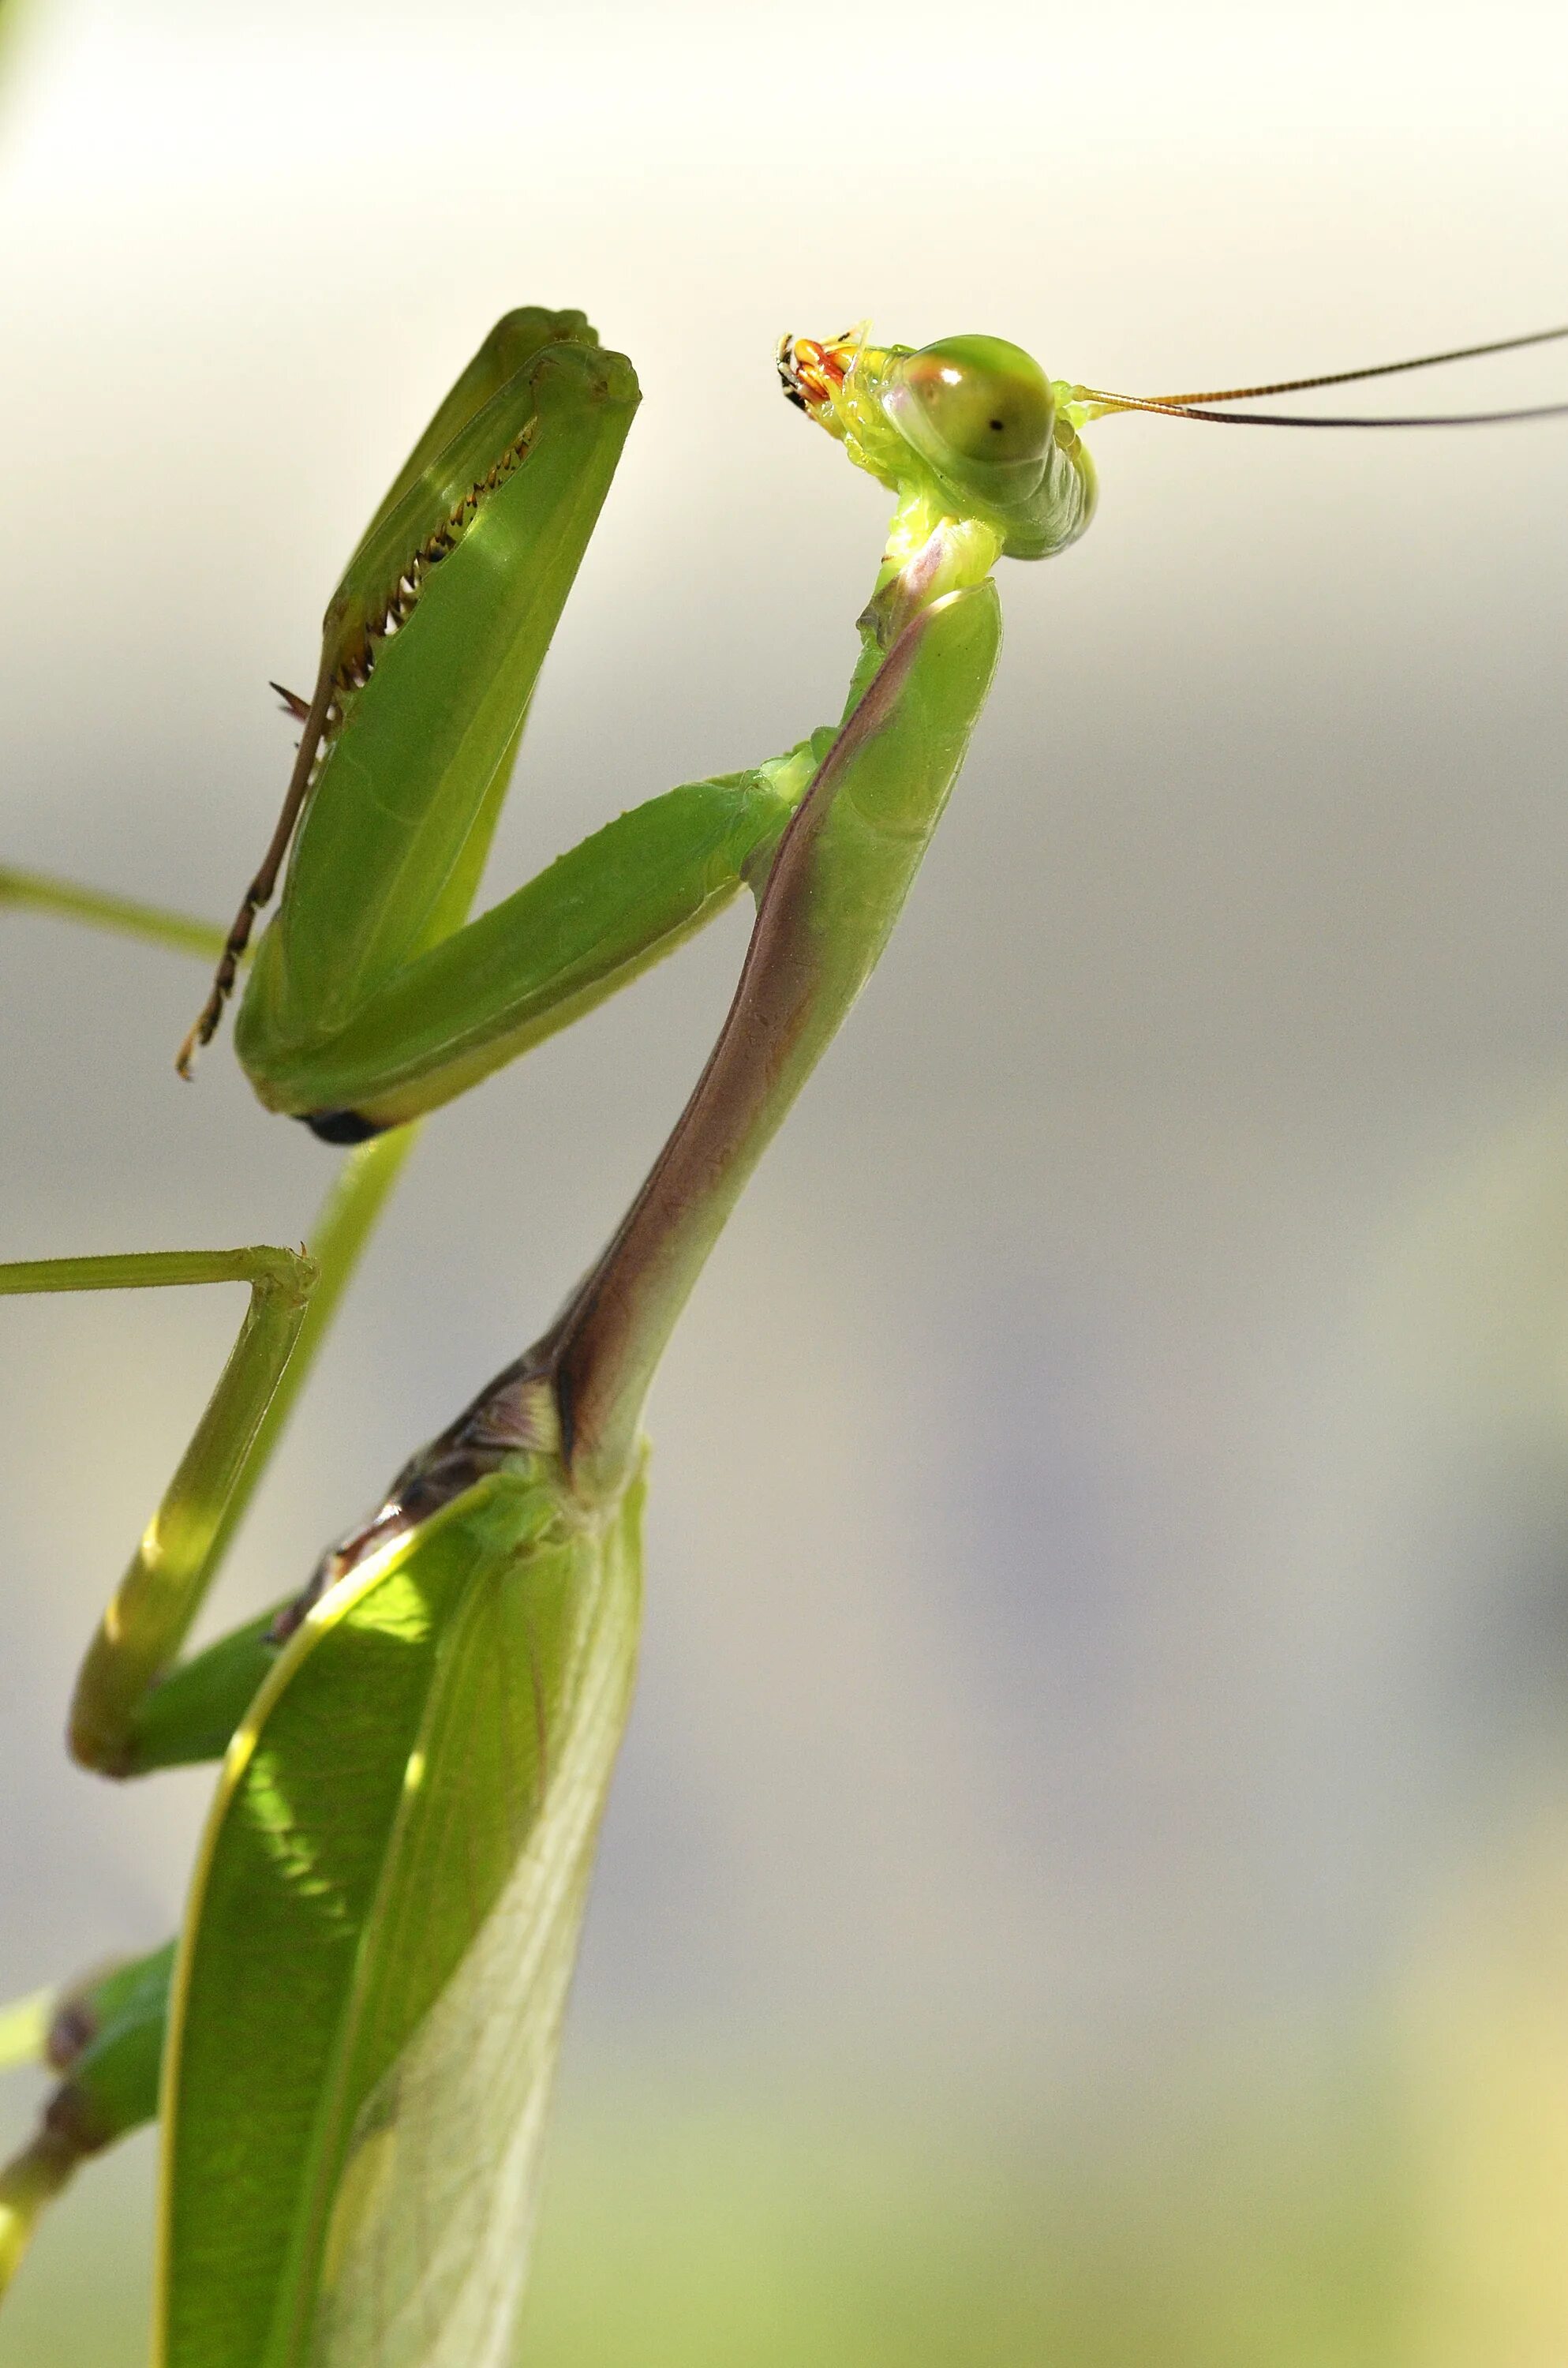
(1108, 1547)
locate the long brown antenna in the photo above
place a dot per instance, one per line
(1307, 419)
(1344, 378)
(1190, 407)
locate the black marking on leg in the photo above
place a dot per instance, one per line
(342, 1125)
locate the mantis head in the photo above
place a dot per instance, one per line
(970, 431)
(970, 427)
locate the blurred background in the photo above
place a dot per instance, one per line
(1088, 1881)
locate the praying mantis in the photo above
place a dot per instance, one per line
(349, 2047)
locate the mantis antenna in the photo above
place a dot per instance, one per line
(1192, 405)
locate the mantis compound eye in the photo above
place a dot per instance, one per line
(969, 428)
(977, 410)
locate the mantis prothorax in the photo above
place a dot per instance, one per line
(357, 2024)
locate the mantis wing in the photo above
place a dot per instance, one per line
(367, 2010)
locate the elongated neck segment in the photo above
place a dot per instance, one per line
(929, 554)
(844, 868)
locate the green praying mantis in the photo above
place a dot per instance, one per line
(349, 2047)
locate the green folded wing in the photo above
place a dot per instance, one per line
(369, 2007)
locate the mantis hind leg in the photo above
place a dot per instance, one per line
(105, 2036)
(41, 891)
